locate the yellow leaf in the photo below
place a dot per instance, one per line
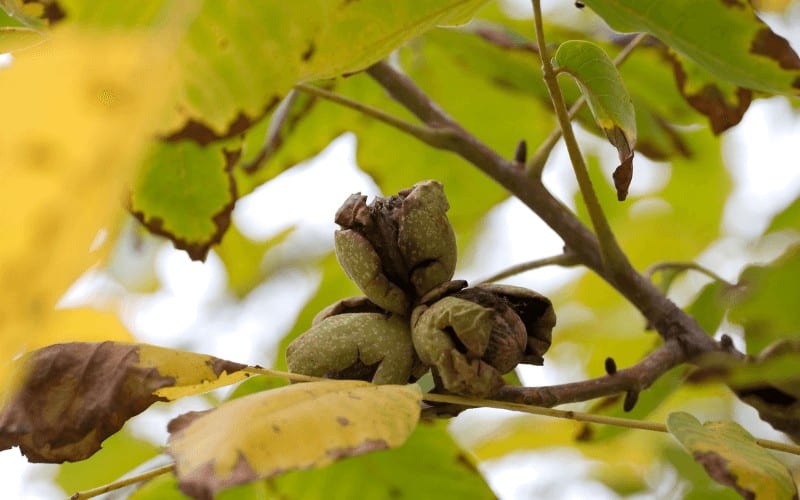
(83, 324)
(77, 112)
(295, 427)
(192, 373)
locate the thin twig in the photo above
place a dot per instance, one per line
(567, 259)
(583, 417)
(437, 137)
(144, 476)
(537, 162)
(686, 266)
(658, 357)
(614, 258)
(273, 138)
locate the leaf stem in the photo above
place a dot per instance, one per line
(566, 259)
(437, 137)
(582, 417)
(273, 138)
(686, 266)
(537, 162)
(527, 408)
(123, 482)
(614, 259)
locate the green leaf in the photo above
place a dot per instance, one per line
(238, 59)
(649, 400)
(767, 308)
(510, 62)
(186, 193)
(608, 99)
(788, 218)
(428, 465)
(164, 487)
(299, 426)
(731, 456)
(121, 453)
(723, 36)
(709, 307)
(244, 259)
(701, 487)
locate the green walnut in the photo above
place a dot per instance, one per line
(355, 339)
(473, 336)
(397, 249)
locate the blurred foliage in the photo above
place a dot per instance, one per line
(175, 111)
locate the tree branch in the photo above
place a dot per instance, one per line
(629, 380)
(667, 318)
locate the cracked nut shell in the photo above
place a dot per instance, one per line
(396, 249)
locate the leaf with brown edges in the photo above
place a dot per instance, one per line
(65, 399)
(296, 427)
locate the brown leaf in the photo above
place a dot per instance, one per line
(65, 399)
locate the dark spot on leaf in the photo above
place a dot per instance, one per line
(222, 365)
(767, 43)
(73, 397)
(365, 447)
(717, 467)
(204, 482)
(465, 462)
(198, 250)
(223, 43)
(585, 434)
(52, 12)
(202, 134)
(309, 52)
(342, 421)
(276, 428)
(180, 422)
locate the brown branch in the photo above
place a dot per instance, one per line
(629, 380)
(668, 319)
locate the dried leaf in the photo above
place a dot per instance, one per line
(65, 399)
(295, 427)
(731, 456)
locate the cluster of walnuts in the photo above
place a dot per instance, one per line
(401, 252)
